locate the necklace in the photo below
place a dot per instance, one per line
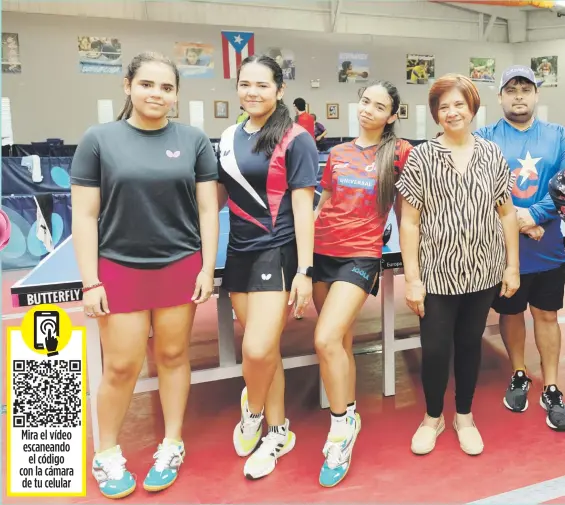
(250, 134)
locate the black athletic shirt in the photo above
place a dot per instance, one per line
(147, 181)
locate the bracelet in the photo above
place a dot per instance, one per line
(92, 286)
(204, 272)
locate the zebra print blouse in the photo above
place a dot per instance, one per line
(462, 248)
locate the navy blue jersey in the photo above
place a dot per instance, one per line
(259, 188)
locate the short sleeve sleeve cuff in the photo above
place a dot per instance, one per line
(409, 184)
(302, 162)
(81, 181)
(408, 192)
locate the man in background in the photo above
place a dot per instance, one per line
(303, 118)
(319, 133)
(535, 152)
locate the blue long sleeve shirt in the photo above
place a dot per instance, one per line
(534, 157)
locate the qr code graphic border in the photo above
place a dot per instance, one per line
(48, 393)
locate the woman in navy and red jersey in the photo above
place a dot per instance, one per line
(268, 167)
(358, 194)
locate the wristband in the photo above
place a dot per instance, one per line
(92, 286)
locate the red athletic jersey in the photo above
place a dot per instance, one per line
(350, 224)
(307, 122)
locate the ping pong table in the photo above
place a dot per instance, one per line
(56, 280)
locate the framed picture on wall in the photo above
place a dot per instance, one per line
(174, 112)
(221, 109)
(403, 111)
(332, 111)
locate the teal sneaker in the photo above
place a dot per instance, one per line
(338, 451)
(357, 430)
(109, 470)
(168, 458)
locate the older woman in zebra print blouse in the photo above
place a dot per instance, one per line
(459, 242)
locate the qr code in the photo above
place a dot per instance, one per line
(47, 394)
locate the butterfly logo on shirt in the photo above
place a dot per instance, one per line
(173, 154)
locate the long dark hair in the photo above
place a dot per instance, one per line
(386, 150)
(134, 66)
(279, 121)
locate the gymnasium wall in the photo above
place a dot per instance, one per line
(51, 98)
(554, 97)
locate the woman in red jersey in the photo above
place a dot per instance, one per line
(358, 193)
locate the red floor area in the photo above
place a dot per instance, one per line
(520, 449)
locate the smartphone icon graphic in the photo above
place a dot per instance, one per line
(46, 321)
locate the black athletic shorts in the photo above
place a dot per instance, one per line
(363, 272)
(542, 290)
(269, 270)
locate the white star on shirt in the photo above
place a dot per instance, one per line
(237, 39)
(528, 167)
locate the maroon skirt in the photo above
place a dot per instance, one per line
(134, 289)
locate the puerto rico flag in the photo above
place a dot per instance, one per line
(236, 46)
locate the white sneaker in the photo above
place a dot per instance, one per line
(273, 446)
(109, 470)
(247, 433)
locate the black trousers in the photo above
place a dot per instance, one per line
(453, 322)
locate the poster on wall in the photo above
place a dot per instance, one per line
(11, 63)
(99, 55)
(236, 46)
(353, 67)
(419, 68)
(482, 69)
(545, 68)
(194, 60)
(285, 59)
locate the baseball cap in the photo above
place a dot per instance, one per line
(517, 71)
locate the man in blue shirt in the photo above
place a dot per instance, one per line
(535, 152)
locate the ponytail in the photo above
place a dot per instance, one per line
(126, 111)
(274, 130)
(384, 161)
(386, 151)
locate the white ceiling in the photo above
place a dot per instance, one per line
(410, 18)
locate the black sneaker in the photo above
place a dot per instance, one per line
(516, 397)
(552, 401)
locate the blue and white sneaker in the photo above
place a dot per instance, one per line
(357, 428)
(109, 470)
(338, 451)
(168, 458)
